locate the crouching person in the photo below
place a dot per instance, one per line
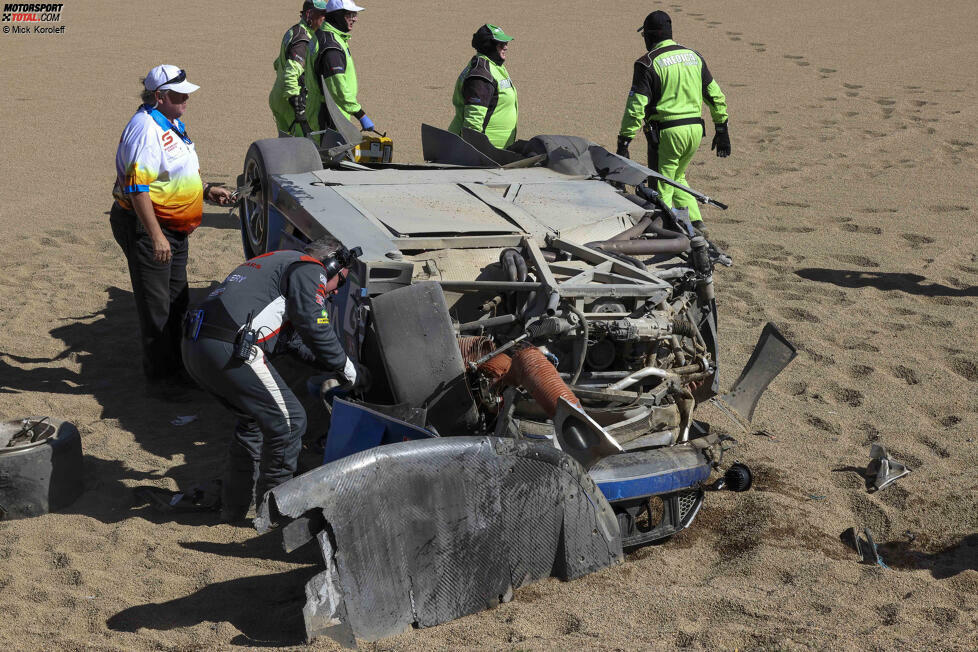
(270, 305)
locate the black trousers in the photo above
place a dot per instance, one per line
(264, 450)
(160, 290)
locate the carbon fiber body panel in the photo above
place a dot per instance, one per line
(420, 533)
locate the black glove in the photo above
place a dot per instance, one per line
(298, 103)
(721, 140)
(623, 146)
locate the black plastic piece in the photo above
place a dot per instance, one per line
(40, 476)
(656, 518)
(738, 478)
(430, 373)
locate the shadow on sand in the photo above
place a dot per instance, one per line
(266, 609)
(104, 347)
(886, 281)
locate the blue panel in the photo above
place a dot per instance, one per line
(653, 485)
(276, 223)
(354, 428)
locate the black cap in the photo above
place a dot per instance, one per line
(657, 23)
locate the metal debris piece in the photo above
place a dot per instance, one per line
(771, 355)
(882, 470)
(865, 546)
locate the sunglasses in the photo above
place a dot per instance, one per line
(181, 76)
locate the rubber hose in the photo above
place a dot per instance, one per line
(644, 247)
(584, 336)
(634, 231)
(474, 347)
(531, 370)
(683, 327)
(635, 199)
(496, 367)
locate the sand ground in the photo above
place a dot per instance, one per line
(851, 224)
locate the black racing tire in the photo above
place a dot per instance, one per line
(265, 158)
(41, 476)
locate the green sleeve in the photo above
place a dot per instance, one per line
(717, 102)
(292, 77)
(631, 122)
(474, 117)
(339, 87)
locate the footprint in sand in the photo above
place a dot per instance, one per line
(819, 423)
(938, 449)
(943, 208)
(949, 421)
(852, 86)
(799, 314)
(826, 71)
(965, 367)
(916, 240)
(885, 101)
(861, 370)
(758, 47)
(857, 228)
(792, 204)
(906, 374)
(857, 260)
(957, 146)
(849, 396)
(869, 432)
(873, 210)
(936, 322)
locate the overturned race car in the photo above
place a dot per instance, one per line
(538, 340)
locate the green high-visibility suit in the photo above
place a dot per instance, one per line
(669, 85)
(289, 82)
(330, 68)
(485, 100)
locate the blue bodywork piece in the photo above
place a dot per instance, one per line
(654, 472)
(354, 428)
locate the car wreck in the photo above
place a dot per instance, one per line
(539, 340)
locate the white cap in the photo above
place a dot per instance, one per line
(168, 78)
(348, 5)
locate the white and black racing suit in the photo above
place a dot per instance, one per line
(284, 293)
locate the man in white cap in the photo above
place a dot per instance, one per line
(329, 68)
(158, 203)
(288, 97)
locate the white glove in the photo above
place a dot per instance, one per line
(350, 372)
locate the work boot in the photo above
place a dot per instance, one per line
(700, 227)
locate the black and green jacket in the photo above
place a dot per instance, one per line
(669, 83)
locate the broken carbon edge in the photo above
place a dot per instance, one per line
(420, 533)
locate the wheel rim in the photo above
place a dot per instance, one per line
(254, 209)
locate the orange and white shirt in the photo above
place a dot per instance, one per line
(156, 156)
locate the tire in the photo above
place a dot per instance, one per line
(41, 476)
(265, 158)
